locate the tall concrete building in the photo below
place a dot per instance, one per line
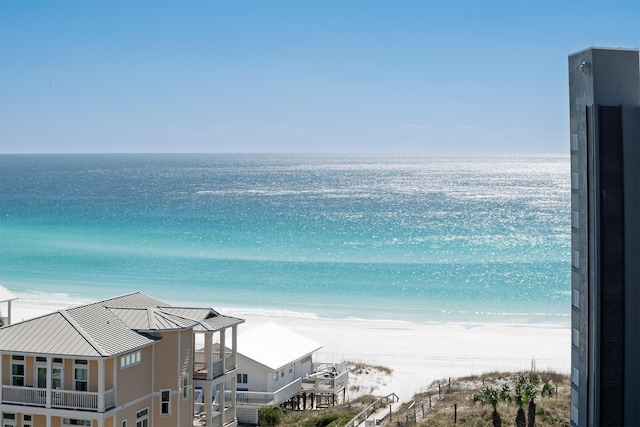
(604, 89)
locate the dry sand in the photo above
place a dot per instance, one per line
(418, 353)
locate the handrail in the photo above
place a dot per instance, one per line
(384, 401)
(68, 399)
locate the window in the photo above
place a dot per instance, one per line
(74, 422)
(27, 421)
(243, 379)
(8, 420)
(142, 418)
(81, 375)
(130, 359)
(165, 402)
(17, 371)
(124, 423)
(185, 386)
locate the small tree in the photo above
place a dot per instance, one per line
(547, 388)
(520, 398)
(270, 415)
(532, 389)
(491, 396)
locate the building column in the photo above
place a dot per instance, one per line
(234, 391)
(221, 404)
(223, 351)
(207, 399)
(49, 385)
(1, 380)
(234, 345)
(9, 312)
(101, 385)
(208, 354)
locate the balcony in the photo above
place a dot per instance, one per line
(219, 366)
(63, 399)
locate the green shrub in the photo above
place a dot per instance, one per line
(269, 416)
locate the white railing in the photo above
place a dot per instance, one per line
(110, 398)
(324, 383)
(338, 366)
(68, 399)
(215, 414)
(28, 395)
(200, 364)
(252, 398)
(256, 398)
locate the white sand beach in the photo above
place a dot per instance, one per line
(418, 353)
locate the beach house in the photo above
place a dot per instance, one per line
(6, 296)
(275, 366)
(128, 361)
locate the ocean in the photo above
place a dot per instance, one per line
(406, 238)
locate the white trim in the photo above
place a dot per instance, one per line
(9, 422)
(24, 370)
(130, 359)
(27, 423)
(81, 366)
(145, 417)
(168, 402)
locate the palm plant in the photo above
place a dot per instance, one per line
(490, 395)
(505, 393)
(520, 397)
(532, 389)
(547, 388)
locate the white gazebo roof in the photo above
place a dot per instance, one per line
(6, 294)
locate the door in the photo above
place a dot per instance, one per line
(41, 376)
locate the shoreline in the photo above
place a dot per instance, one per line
(418, 353)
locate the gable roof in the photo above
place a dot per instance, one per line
(207, 318)
(150, 319)
(6, 294)
(101, 329)
(274, 346)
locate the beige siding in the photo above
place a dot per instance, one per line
(135, 381)
(173, 358)
(166, 361)
(93, 375)
(186, 366)
(129, 414)
(172, 418)
(68, 373)
(108, 366)
(28, 370)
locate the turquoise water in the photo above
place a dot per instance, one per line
(372, 237)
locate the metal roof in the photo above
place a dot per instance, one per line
(106, 328)
(6, 294)
(274, 346)
(208, 319)
(151, 319)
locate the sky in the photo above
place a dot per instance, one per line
(436, 77)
